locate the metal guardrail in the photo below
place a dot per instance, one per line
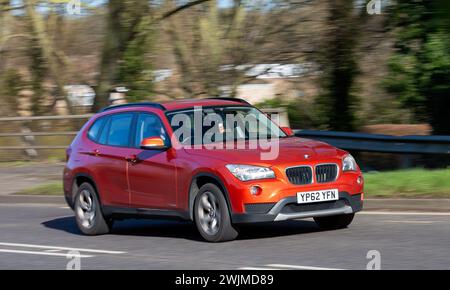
(69, 133)
(27, 137)
(344, 140)
(381, 143)
(43, 118)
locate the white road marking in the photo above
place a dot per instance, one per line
(409, 199)
(413, 222)
(40, 253)
(62, 248)
(63, 217)
(403, 213)
(285, 267)
(297, 267)
(257, 268)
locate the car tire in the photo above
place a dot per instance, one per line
(334, 222)
(211, 215)
(88, 214)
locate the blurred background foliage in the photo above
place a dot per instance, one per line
(347, 69)
(419, 70)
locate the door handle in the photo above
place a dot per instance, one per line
(132, 159)
(95, 152)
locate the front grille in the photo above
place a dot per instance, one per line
(299, 175)
(326, 173)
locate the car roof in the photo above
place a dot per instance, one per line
(190, 103)
(181, 104)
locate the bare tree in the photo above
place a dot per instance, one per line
(44, 46)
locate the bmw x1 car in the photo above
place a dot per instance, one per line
(152, 160)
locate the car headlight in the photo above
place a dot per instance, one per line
(249, 172)
(349, 163)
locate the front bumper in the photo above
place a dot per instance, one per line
(288, 208)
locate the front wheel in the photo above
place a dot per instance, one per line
(334, 222)
(211, 215)
(88, 214)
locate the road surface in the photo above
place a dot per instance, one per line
(39, 236)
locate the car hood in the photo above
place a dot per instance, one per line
(290, 151)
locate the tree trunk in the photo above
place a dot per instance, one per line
(47, 48)
(340, 67)
(124, 19)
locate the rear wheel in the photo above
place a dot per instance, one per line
(211, 215)
(88, 213)
(334, 222)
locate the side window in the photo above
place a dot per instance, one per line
(95, 129)
(181, 127)
(105, 131)
(149, 125)
(117, 130)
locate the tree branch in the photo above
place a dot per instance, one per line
(13, 8)
(181, 8)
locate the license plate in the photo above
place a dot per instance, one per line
(317, 196)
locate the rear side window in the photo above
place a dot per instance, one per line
(105, 131)
(117, 131)
(94, 131)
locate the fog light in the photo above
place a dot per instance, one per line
(255, 190)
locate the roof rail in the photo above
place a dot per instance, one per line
(229, 99)
(143, 104)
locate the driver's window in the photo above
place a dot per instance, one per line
(149, 125)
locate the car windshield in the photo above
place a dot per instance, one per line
(204, 125)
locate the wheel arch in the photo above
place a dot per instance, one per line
(78, 180)
(198, 181)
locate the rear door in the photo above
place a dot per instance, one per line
(113, 146)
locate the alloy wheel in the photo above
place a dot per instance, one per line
(86, 208)
(209, 213)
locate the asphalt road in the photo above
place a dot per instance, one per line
(38, 236)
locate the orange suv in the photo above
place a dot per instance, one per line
(217, 162)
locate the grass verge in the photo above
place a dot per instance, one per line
(411, 183)
(53, 188)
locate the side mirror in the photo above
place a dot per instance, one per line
(288, 131)
(153, 143)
